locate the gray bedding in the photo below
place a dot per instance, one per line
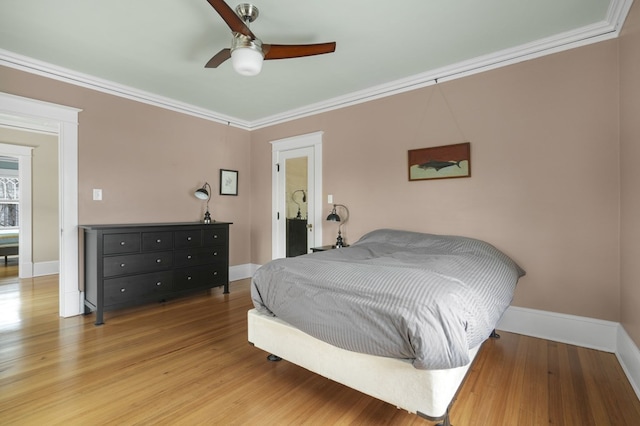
(427, 298)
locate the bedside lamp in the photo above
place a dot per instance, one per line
(334, 217)
(205, 194)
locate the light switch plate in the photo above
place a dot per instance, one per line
(97, 194)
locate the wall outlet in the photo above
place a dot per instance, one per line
(97, 194)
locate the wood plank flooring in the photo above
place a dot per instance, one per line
(187, 362)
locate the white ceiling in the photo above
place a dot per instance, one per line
(155, 50)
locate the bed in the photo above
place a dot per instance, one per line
(398, 315)
(8, 243)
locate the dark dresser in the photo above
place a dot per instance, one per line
(131, 264)
(296, 237)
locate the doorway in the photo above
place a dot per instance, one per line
(297, 195)
(31, 114)
(22, 154)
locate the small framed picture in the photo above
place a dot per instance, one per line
(228, 182)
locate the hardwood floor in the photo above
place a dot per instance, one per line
(187, 362)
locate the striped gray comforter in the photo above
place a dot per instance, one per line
(428, 298)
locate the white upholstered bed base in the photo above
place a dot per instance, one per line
(427, 393)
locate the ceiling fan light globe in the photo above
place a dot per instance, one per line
(246, 61)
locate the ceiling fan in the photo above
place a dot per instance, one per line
(247, 51)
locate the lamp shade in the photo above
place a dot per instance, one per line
(202, 193)
(246, 60)
(333, 216)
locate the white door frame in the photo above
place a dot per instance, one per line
(306, 153)
(24, 156)
(63, 120)
(278, 229)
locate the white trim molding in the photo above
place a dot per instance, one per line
(574, 330)
(607, 336)
(46, 268)
(628, 355)
(63, 120)
(240, 272)
(278, 148)
(24, 155)
(44, 69)
(608, 28)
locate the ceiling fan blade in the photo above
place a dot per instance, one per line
(218, 58)
(229, 16)
(284, 51)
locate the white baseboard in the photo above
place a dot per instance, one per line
(38, 269)
(590, 333)
(46, 268)
(629, 357)
(25, 269)
(240, 272)
(571, 329)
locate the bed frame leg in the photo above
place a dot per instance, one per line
(445, 421)
(494, 334)
(274, 358)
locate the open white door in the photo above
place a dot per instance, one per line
(305, 153)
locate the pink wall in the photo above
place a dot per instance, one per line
(545, 166)
(545, 161)
(148, 160)
(630, 172)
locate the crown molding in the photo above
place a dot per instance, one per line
(34, 66)
(604, 30)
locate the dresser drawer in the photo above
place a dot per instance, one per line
(214, 236)
(137, 263)
(121, 243)
(201, 276)
(125, 264)
(186, 239)
(200, 256)
(155, 241)
(125, 289)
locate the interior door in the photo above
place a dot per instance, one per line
(297, 193)
(296, 201)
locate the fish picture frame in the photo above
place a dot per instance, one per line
(440, 162)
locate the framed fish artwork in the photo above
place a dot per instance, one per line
(440, 162)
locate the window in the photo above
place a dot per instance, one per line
(9, 202)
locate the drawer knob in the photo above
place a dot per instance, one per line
(188, 278)
(188, 238)
(215, 236)
(158, 240)
(122, 265)
(122, 243)
(189, 256)
(215, 253)
(159, 283)
(122, 290)
(215, 273)
(158, 260)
